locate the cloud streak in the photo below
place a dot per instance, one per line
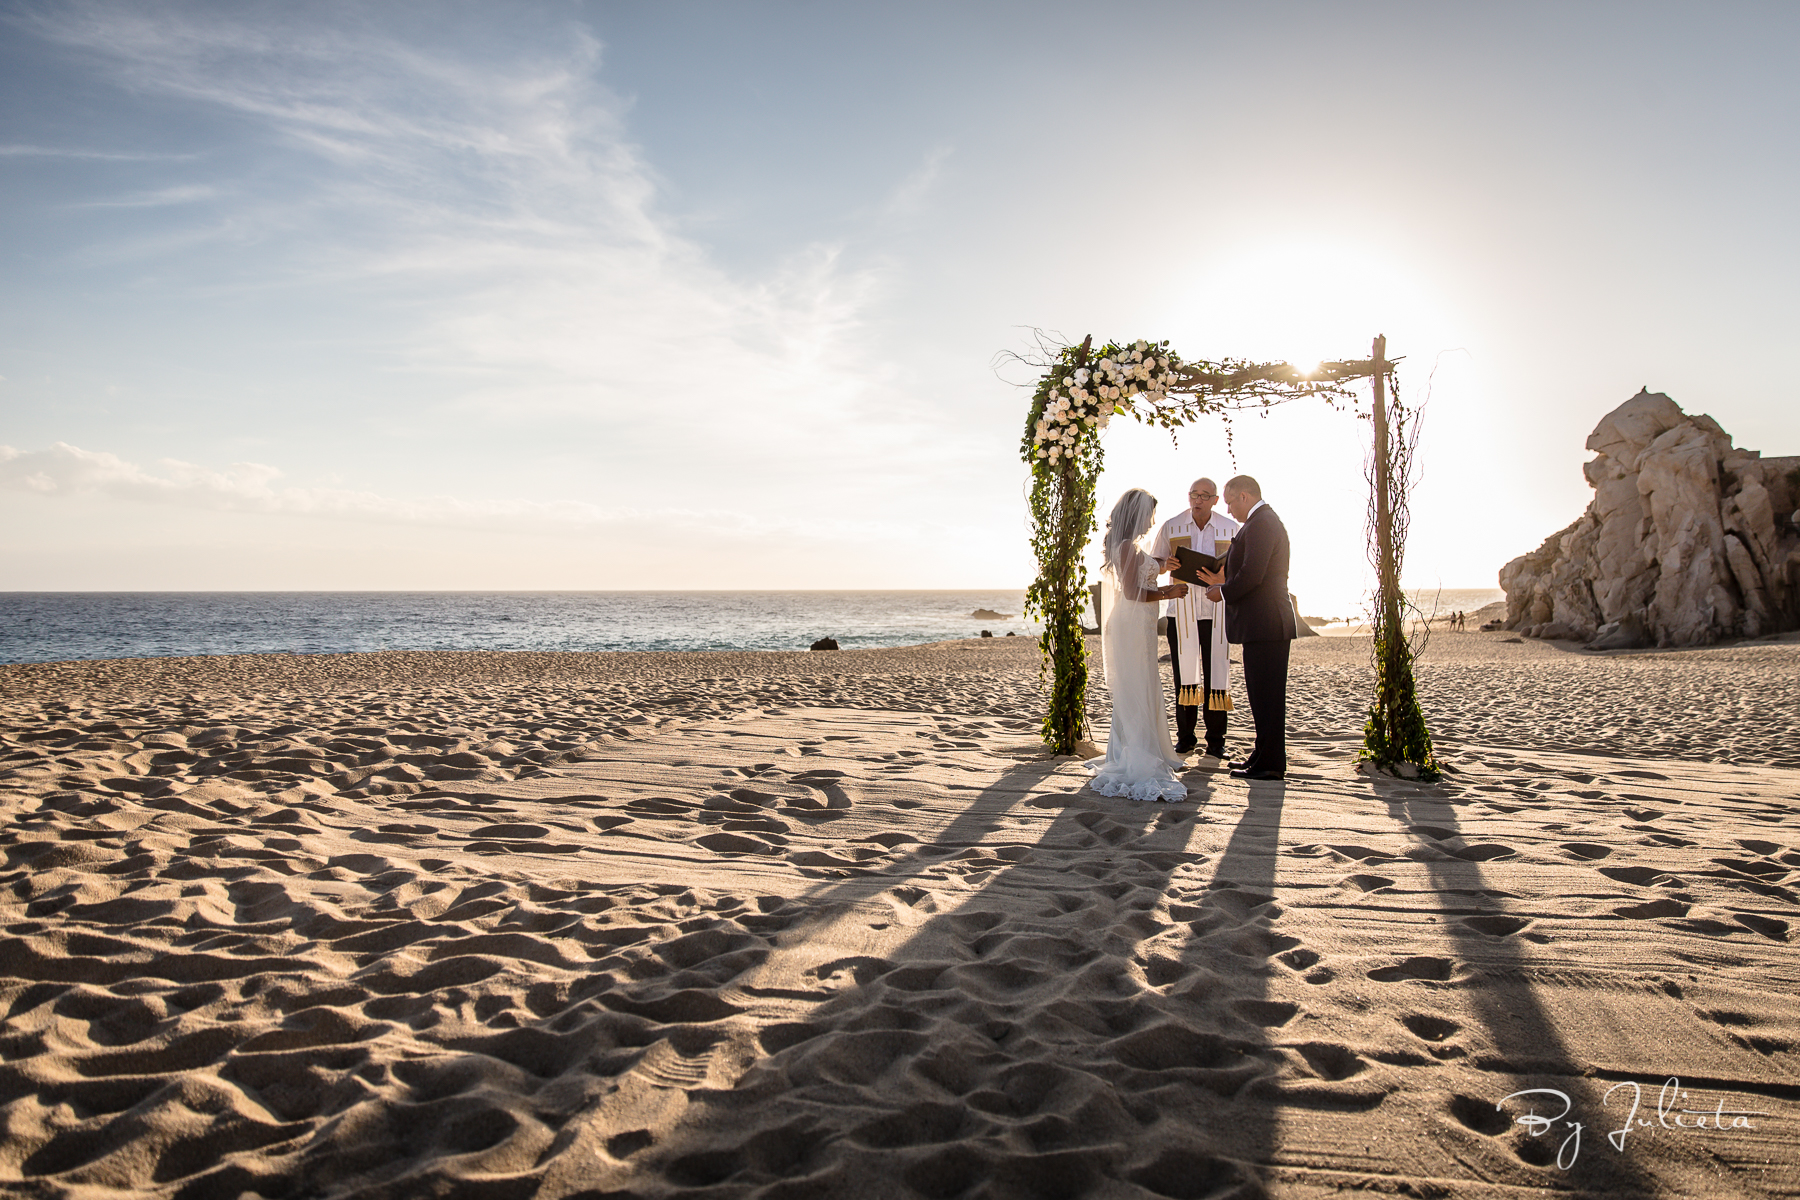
(503, 203)
(24, 151)
(65, 471)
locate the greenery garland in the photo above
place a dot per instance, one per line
(1395, 737)
(1079, 391)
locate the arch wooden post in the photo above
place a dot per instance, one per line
(1395, 737)
(1387, 581)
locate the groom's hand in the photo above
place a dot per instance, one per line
(1214, 594)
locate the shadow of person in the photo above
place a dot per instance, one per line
(1220, 1111)
(1046, 1030)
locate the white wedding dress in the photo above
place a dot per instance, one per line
(1140, 762)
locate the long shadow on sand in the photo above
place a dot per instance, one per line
(1086, 1014)
(1528, 1050)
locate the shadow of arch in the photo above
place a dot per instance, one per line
(1048, 1034)
(1529, 1049)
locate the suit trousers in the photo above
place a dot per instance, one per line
(1186, 714)
(1265, 686)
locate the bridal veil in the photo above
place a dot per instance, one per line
(1140, 762)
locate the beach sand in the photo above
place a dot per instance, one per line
(834, 924)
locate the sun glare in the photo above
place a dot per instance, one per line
(1305, 303)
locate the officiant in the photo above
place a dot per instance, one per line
(1198, 652)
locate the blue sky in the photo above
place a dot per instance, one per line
(562, 295)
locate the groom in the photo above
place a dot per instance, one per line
(1197, 650)
(1258, 613)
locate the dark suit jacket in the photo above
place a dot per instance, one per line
(1257, 608)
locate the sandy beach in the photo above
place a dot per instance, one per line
(834, 924)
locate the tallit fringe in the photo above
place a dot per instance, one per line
(1218, 701)
(1189, 697)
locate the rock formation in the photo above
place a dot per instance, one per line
(1687, 541)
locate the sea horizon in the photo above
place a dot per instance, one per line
(57, 626)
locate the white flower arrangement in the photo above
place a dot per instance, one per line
(1080, 400)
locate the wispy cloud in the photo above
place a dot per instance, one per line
(185, 194)
(62, 470)
(22, 151)
(502, 199)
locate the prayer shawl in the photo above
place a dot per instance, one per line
(1188, 611)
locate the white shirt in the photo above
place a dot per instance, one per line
(1219, 527)
(1253, 509)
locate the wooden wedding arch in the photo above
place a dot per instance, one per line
(1083, 387)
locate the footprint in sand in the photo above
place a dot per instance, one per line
(1429, 1027)
(1652, 910)
(1432, 831)
(1423, 967)
(1329, 1060)
(1759, 869)
(1270, 1014)
(733, 843)
(1482, 852)
(1479, 1115)
(1587, 850)
(1769, 927)
(1636, 875)
(1497, 925)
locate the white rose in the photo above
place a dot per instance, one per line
(1091, 421)
(1042, 453)
(1138, 354)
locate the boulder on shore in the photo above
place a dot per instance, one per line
(825, 644)
(1681, 546)
(1301, 628)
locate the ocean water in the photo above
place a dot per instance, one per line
(1431, 602)
(55, 626)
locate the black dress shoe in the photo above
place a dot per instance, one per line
(1258, 773)
(1185, 747)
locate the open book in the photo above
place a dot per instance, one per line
(1191, 561)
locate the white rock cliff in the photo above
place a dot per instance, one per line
(1687, 541)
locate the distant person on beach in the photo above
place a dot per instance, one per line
(1253, 583)
(1197, 651)
(1139, 762)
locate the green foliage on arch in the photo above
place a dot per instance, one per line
(1080, 390)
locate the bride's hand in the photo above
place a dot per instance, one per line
(1176, 590)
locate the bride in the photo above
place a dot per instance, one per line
(1140, 762)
